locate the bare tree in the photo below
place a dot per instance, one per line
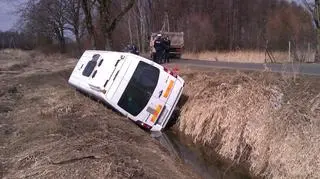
(56, 10)
(144, 25)
(314, 8)
(138, 24)
(46, 17)
(73, 16)
(107, 22)
(87, 6)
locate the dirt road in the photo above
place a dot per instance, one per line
(48, 130)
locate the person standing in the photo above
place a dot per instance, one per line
(159, 45)
(167, 43)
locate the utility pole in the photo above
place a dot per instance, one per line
(289, 51)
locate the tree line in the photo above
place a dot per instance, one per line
(15, 40)
(223, 24)
(207, 24)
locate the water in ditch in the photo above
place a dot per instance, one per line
(193, 156)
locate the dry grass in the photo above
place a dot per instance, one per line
(269, 122)
(263, 121)
(31, 62)
(236, 56)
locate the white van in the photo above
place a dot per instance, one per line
(140, 89)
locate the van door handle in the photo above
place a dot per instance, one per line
(160, 93)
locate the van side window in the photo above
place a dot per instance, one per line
(90, 65)
(140, 88)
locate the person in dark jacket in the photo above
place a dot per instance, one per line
(131, 48)
(167, 43)
(159, 45)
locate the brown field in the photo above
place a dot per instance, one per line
(48, 130)
(268, 122)
(244, 56)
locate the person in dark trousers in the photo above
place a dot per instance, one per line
(167, 43)
(159, 45)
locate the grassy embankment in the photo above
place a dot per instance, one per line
(268, 122)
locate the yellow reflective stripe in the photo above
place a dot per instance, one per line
(156, 113)
(169, 88)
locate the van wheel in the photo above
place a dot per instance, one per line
(175, 114)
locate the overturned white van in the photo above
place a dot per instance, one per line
(140, 89)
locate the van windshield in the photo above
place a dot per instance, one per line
(140, 88)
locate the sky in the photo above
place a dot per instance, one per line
(7, 15)
(6, 20)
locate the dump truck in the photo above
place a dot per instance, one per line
(176, 47)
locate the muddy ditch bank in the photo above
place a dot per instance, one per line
(267, 123)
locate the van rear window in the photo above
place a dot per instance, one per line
(140, 88)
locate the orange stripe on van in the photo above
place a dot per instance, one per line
(169, 88)
(156, 113)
